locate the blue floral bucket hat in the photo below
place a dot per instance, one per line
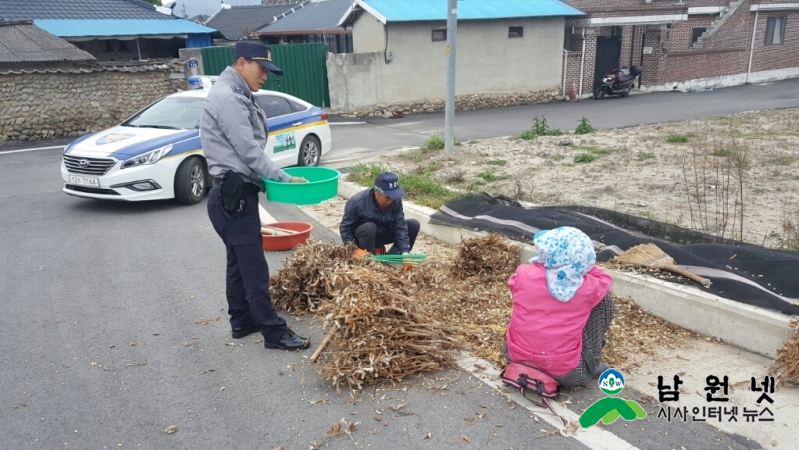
(567, 254)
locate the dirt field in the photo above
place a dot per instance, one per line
(688, 173)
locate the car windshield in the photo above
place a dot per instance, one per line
(172, 113)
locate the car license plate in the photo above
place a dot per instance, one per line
(84, 181)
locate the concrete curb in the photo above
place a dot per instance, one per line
(751, 328)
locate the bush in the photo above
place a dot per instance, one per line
(421, 188)
(433, 143)
(497, 162)
(365, 174)
(488, 176)
(584, 158)
(644, 155)
(540, 128)
(584, 127)
(677, 139)
(594, 149)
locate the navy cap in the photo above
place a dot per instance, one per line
(387, 183)
(258, 53)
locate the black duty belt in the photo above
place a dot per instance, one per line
(249, 186)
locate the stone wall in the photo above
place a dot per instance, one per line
(462, 103)
(49, 103)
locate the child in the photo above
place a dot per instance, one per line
(561, 308)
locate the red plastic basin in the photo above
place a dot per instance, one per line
(286, 242)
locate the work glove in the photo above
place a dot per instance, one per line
(360, 253)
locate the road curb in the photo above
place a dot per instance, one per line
(751, 328)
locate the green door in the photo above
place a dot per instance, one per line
(304, 69)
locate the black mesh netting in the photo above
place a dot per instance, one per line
(750, 274)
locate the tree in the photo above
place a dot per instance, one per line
(154, 2)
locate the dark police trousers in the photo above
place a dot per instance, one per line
(247, 285)
(368, 236)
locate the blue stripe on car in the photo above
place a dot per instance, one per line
(190, 140)
(180, 140)
(72, 144)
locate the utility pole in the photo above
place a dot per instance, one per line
(449, 111)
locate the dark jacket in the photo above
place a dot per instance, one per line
(362, 207)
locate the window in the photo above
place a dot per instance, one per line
(567, 39)
(439, 35)
(169, 113)
(515, 32)
(297, 107)
(696, 32)
(775, 29)
(273, 105)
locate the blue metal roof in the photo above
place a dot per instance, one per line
(421, 10)
(130, 29)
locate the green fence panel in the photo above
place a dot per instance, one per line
(304, 69)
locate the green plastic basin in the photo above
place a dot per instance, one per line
(322, 185)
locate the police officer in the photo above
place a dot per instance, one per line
(374, 217)
(233, 130)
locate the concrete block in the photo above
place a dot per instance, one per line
(755, 329)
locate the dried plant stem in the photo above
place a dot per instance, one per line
(322, 346)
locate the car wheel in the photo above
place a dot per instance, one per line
(310, 152)
(190, 182)
(599, 92)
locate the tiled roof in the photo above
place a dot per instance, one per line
(240, 21)
(313, 16)
(21, 41)
(78, 9)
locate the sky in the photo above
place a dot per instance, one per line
(207, 7)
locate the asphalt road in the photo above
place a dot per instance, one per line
(354, 142)
(101, 345)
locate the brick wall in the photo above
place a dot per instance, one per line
(651, 63)
(777, 56)
(735, 33)
(599, 8)
(575, 59)
(681, 33)
(626, 43)
(725, 53)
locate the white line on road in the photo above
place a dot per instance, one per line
(32, 149)
(265, 216)
(346, 123)
(330, 161)
(595, 438)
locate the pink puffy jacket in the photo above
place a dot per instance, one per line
(545, 331)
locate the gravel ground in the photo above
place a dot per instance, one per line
(638, 170)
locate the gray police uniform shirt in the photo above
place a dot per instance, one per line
(229, 141)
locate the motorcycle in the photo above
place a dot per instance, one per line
(615, 82)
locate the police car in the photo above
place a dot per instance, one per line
(157, 153)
